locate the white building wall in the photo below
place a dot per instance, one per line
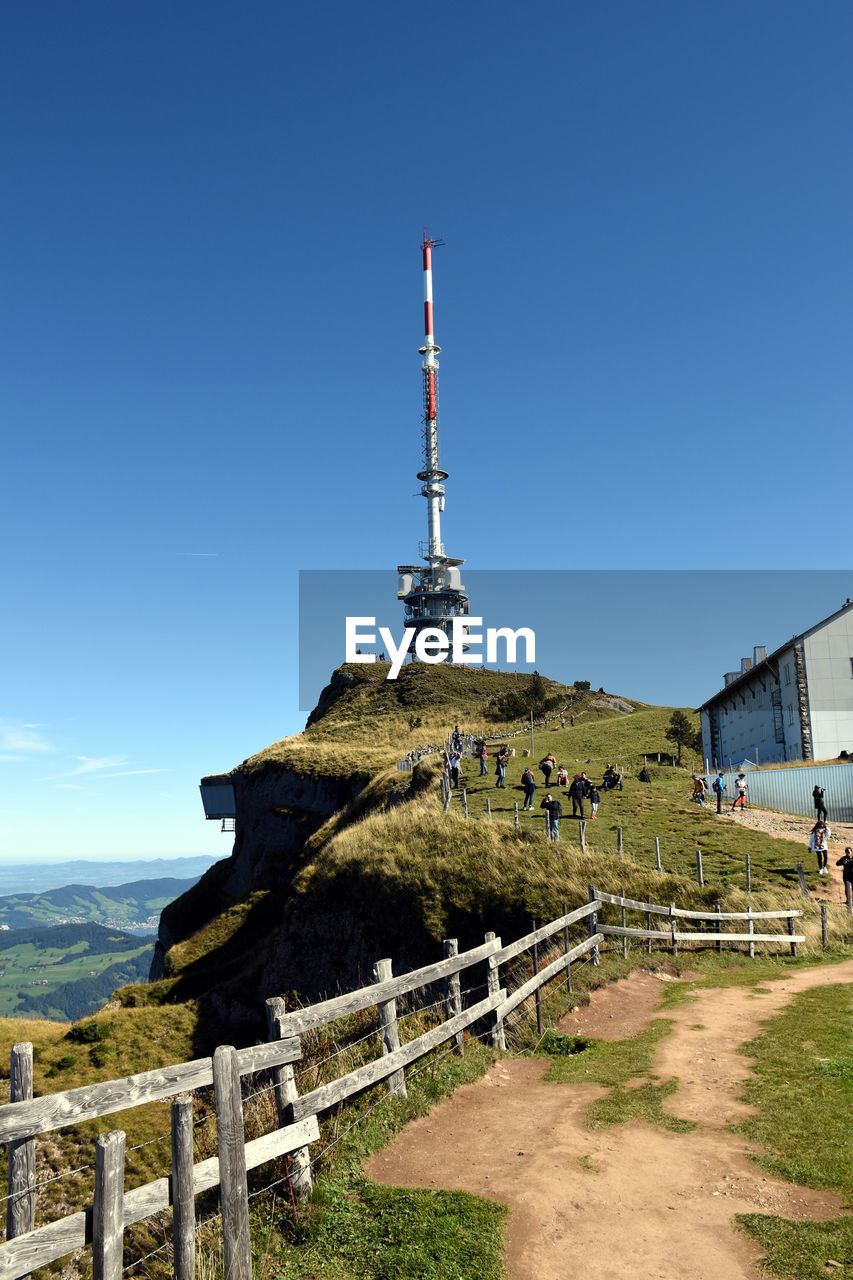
(829, 674)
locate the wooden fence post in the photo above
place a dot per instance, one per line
(657, 854)
(387, 1010)
(515, 814)
(494, 986)
(649, 925)
(624, 922)
(699, 875)
(791, 931)
(748, 875)
(582, 833)
(718, 909)
(547, 825)
(108, 1207)
(593, 928)
(465, 801)
(824, 927)
(488, 808)
(231, 1144)
(183, 1195)
(454, 991)
(619, 841)
(801, 876)
(566, 948)
(750, 928)
(286, 1093)
(21, 1205)
(674, 943)
(537, 994)
(848, 894)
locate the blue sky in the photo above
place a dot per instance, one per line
(213, 309)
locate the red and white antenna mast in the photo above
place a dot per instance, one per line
(433, 594)
(432, 476)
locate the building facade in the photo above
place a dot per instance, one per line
(793, 704)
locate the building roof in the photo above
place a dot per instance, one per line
(744, 676)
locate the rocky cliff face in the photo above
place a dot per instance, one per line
(277, 809)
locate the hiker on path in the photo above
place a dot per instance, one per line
(742, 787)
(719, 789)
(455, 761)
(562, 722)
(528, 781)
(555, 813)
(546, 764)
(484, 756)
(500, 767)
(846, 863)
(576, 791)
(699, 790)
(819, 804)
(594, 800)
(818, 838)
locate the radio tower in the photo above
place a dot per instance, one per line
(432, 594)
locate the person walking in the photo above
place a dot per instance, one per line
(555, 813)
(528, 781)
(719, 789)
(546, 764)
(562, 722)
(819, 804)
(699, 791)
(594, 800)
(742, 786)
(455, 761)
(818, 838)
(500, 767)
(576, 791)
(484, 756)
(846, 864)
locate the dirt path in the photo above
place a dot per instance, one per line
(632, 1200)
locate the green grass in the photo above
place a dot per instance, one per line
(803, 1250)
(802, 1083)
(355, 1229)
(645, 1102)
(611, 1062)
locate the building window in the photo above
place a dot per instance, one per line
(741, 742)
(790, 715)
(787, 673)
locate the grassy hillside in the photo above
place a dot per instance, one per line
(391, 874)
(370, 722)
(67, 971)
(119, 906)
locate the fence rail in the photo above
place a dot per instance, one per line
(103, 1222)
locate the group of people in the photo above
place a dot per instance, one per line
(718, 786)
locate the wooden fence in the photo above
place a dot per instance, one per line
(102, 1223)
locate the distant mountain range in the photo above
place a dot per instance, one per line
(36, 877)
(67, 971)
(134, 906)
